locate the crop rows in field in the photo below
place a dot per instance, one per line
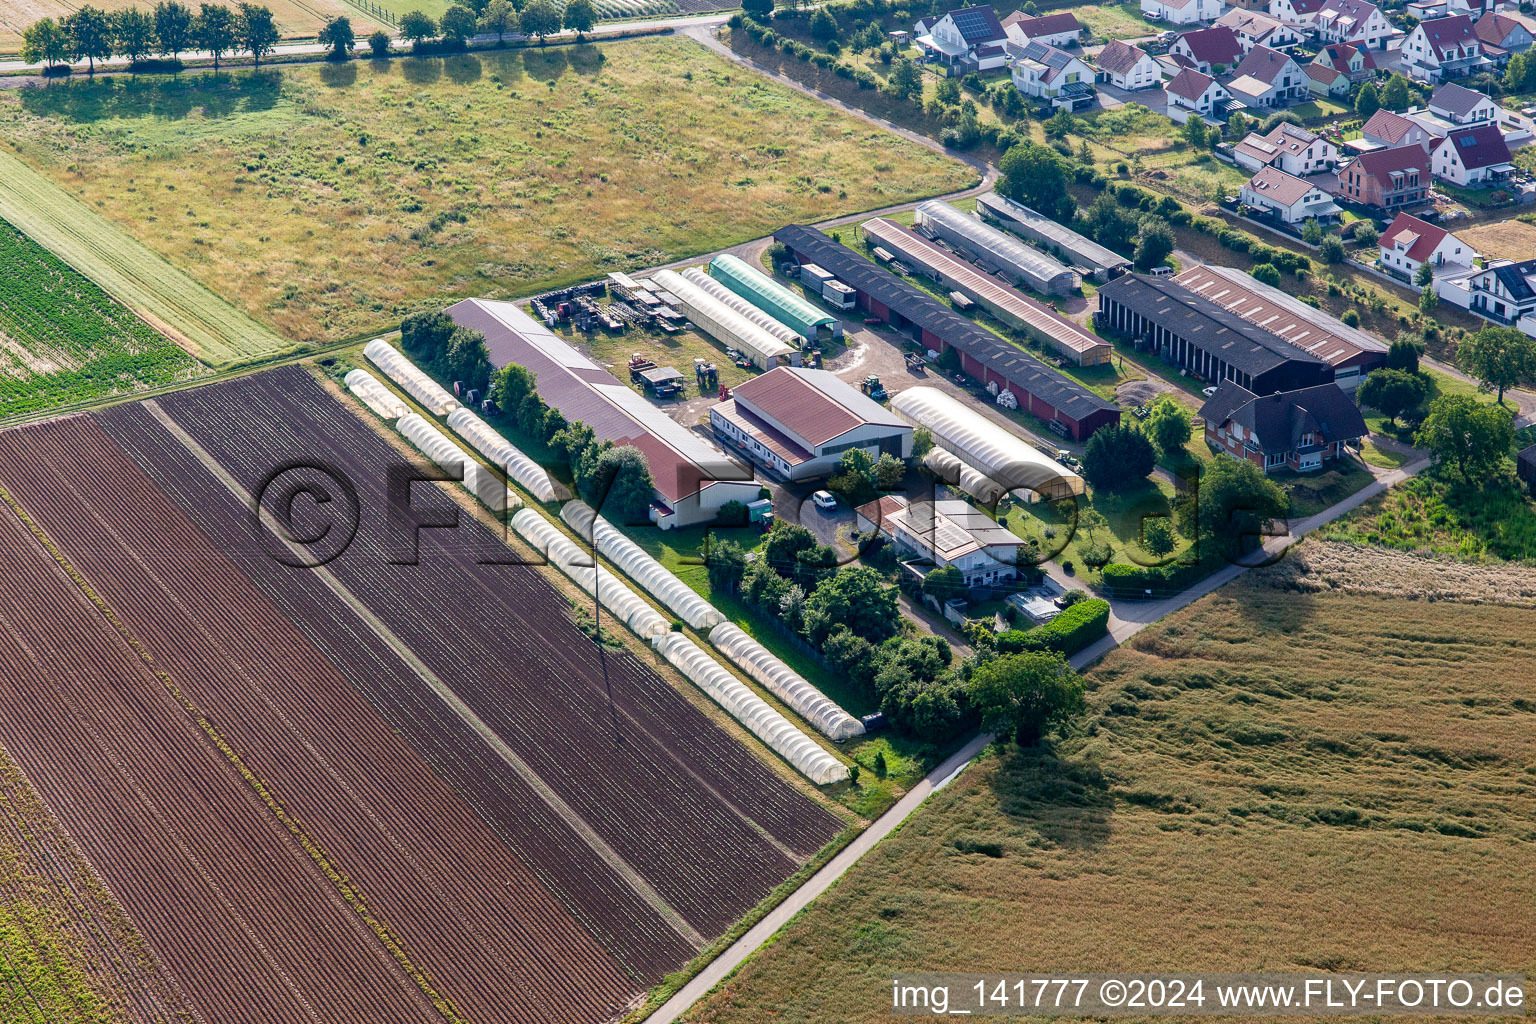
(219, 889)
(705, 823)
(62, 339)
(469, 919)
(207, 326)
(612, 9)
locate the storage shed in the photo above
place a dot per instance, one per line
(1051, 236)
(985, 444)
(995, 250)
(733, 330)
(792, 310)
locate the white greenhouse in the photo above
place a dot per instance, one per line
(1003, 252)
(781, 736)
(410, 378)
(784, 683)
(485, 485)
(714, 289)
(611, 592)
(948, 468)
(528, 474)
(371, 392)
(979, 442)
(725, 325)
(655, 578)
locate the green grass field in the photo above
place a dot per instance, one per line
(63, 340)
(168, 299)
(1270, 780)
(1115, 21)
(330, 201)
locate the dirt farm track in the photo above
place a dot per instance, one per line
(332, 795)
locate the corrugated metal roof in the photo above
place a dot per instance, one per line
(814, 404)
(768, 295)
(1080, 246)
(1024, 371)
(1061, 330)
(682, 462)
(986, 241)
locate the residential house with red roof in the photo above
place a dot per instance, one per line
(1505, 33)
(1286, 198)
(1128, 67)
(1060, 29)
(1472, 156)
(1256, 28)
(1356, 63)
(1301, 13)
(1191, 92)
(1386, 178)
(1388, 130)
(1443, 48)
(1326, 80)
(1410, 243)
(1208, 49)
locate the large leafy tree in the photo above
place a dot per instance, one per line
(621, 487)
(1470, 435)
(1118, 458)
(1234, 507)
(580, 15)
(1026, 694)
(457, 24)
(1499, 357)
(214, 29)
(784, 544)
(337, 34)
(257, 31)
(173, 27)
(1154, 239)
(418, 27)
(1394, 392)
(858, 598)
(90, 35)
(499, 16)
(44, 42)
(1169, 426)
(1036, 176)
(133, 33)
(542, 18)
(758, 10)
(906, 81)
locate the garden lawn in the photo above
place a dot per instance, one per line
(1053, 534)
(1269, 780)
(1115, 21)
(329, 201)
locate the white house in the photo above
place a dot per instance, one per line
(1289, 148)
(1268, 78)
(1209, 49)
(1472, 156)
(1388, 130)
(1191, 92)
(1128, 67)
(1354, 21)
(1253, 28)
(1504, 290)
(1045, 72)
(1182, 12)
(1061, 29)
(1286, 198)
(1443, 48)
(1300, 13)
(1410, 243)
(1462, 106)
(967, 39)
(934, 534)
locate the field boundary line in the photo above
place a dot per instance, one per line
(164, 296)
(553, 800)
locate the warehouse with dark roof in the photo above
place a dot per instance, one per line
(1041, 390)
(1205, 339)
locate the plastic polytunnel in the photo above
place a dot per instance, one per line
(948, 468)
(528, 474)
(372, 393)
(398, 368)
(653, 577)
(984, 444)
(611, 592)
(784, 683)
(714, 289)
(477, 480)
(794, 746)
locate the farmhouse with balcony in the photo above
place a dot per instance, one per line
(1286, 198)
(1295, 430)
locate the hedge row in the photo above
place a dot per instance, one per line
(1122, 580)
(1069, 632)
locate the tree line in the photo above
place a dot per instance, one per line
(538, 18)
(169, 30)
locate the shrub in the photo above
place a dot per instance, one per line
(1075, 628)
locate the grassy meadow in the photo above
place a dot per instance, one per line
(1270, 780)
(329, 201)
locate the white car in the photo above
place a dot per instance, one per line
(825, 500)
(1208, 392)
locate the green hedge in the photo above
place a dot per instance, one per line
(1122, 580)
(1069, 632)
